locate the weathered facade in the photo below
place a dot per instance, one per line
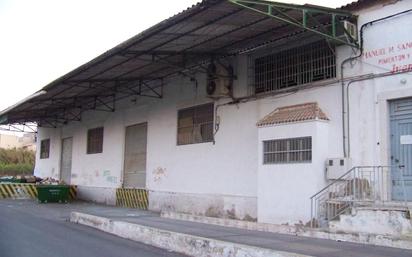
(27, 141)
(259, 153)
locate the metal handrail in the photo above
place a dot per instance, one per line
(360, 184)
(349, 171)
(334, 181)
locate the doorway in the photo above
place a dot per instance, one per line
(66, 160)
(135, 156)
(401, 149)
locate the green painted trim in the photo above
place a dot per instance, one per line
(335, 15)
(308, 7)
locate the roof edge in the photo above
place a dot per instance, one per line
(5, 111)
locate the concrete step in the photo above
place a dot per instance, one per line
(393, 222)
(298, 230)
(176, 242)
(198, 239)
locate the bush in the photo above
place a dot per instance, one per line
(16, 169)
(16, 162)
(17, 156)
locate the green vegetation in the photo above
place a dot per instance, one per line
(16, 162)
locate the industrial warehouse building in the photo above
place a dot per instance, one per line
(240, 109)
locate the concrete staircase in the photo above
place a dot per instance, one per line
(378, 220)
(357, 198)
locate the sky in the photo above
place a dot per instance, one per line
(44, 39)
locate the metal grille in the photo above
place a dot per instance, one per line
(296, 66)
(95, 140)
(291, 150)
(195, 125)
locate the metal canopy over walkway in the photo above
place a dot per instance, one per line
(179, 46)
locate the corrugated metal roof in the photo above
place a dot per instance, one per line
(215, 28)
(294, 113)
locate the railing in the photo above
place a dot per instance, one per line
(360, 185)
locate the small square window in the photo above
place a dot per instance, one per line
(95, 140)
(45, 149)
(195, 125)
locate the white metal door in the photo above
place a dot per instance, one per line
(135, 156)
(66, 160)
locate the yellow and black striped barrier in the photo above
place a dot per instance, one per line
(25, 190)
(132, 198)
(17, 190)
(73, 193)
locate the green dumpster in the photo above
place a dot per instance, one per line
(53, 193)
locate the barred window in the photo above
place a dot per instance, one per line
(195, 125)
(95, 140)
(296, 66)
(45, 149)
(292, 150)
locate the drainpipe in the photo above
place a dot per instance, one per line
(350, 59)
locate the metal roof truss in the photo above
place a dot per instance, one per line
(309, 16)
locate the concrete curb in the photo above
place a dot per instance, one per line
(177, 242)
(370, 239)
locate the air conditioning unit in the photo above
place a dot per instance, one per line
(219, 80)
(336, 167)
(352, 30)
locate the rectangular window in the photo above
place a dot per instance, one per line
(45, 149)
(195, 125)
(296, 66)
(292, 150)
(95, 140)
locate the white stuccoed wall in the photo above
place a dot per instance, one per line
(284, 189)
(369, 99)
(226, 178)
(49, 167)
(219, 177)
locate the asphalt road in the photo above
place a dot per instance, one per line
(29, 233)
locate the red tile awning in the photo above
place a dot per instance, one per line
(293, 113)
